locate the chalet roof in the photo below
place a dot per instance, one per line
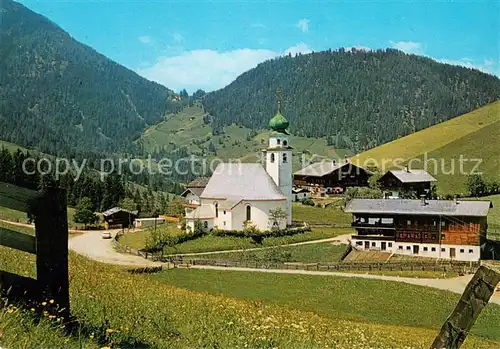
(200, 182)
(322, 168)
(114, 210)
(242, 181)
(196, 191)
(300, 190)
(412, 176)
(202, 212)
(415, 207)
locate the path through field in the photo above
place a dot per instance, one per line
(92, 245)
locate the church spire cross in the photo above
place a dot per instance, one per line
(278, 99)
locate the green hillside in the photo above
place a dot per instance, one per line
(474, 135)
(59, 95)
(355, 98)
(187, 129)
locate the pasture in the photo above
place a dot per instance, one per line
(202, 308)
(473, 136)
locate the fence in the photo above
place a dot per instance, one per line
(50, 245)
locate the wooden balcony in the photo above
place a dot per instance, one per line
(373, 237)
(373, 225)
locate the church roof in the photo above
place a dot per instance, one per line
(242, 181)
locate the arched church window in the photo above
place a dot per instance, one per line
(216, 210)
(284, 157)
(249, 213)
(285, 143)
(272, 157)
(205, 224)
(279, 141)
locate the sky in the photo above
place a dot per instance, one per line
(207, 44)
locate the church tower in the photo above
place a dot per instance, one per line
(279, 156)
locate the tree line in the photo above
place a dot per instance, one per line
(357, 99)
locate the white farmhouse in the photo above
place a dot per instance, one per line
(248, 192)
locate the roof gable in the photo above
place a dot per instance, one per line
(410, 176)
(323, 168)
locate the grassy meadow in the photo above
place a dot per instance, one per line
(201, 308)
(473, 135)
(317, 215)
(309, 253)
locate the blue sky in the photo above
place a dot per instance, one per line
(207, 44)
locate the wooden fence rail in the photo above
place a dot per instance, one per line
(50, 245)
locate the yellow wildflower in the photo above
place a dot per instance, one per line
(51, 301)
(44, 303)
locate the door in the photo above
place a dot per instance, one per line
(452, 252)
(415, 249)
(367, 245)
(383, 245)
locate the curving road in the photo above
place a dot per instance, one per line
(93, 246)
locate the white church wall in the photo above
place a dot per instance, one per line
(259, 214)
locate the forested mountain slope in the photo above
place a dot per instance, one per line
(358, 99)
(57, 94)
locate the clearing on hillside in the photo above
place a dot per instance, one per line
(438, 149)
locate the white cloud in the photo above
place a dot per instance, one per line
(177, 37)
(487, 66)
(408, 47)
(209, 69)
(146, 40)
(303, 24)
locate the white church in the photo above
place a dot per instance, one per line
(246, 192)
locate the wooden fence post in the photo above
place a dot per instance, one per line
(51, 227)
(473, 300)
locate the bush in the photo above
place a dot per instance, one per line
(308, 202)
(159, 238)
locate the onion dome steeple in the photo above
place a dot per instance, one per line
(279, 123)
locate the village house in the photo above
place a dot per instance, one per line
(117, 217)
(331, 177)
(446, 229)
(300, 194)
(397, 182)
(247, 193)
(193, 191)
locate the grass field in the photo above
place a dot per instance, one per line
(318, 215)
(474, 135)
(187, 129)
(210, 243)
(227, 310)
(360, 300)
(315, 253)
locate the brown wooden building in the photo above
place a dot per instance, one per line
(396, 182)
(331, 177)
(117, 217)
(445, 229)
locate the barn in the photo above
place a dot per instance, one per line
(117, 217)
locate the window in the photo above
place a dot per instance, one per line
(408, 222)
(205, 224)
(400, 247)
(443, 223)
(443, 249)
(284, 158)
(462, 250)
(408, 247)
(216, 210)
(389, 244)
(373, 244)
(224, 211)
(285, 143)
(272, 157)
(359, 243)
(279, 141)
(425, 249)
(433, 249)
(471, 251)
(249, 213)
(224, 223)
